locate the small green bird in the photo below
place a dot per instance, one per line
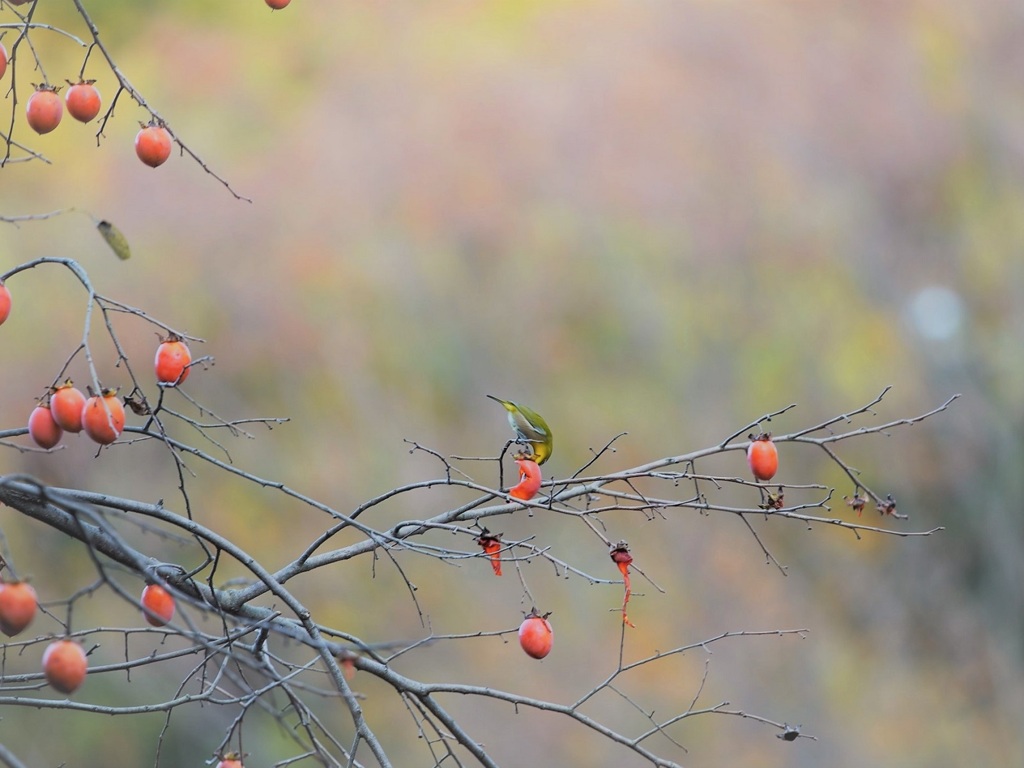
(530, 427)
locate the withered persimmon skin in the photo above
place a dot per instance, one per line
(153, 145)
(65, 665)
(44, 110)
(159, 604)
(536, 636)
(18, 604)
(66, 405)
(5, 303)
(42, 427)
(103, 418)
(172, 362)
(763, 458)
(83, 101)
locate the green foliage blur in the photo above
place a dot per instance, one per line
(661, 218)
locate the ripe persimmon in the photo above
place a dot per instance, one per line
(18, 605)
(529, 480)
(763, 457)
(44, 109)
(5, 303)
(536, 635)
(172, 361)
(65, 665)
(83, 101)
(230, 760)
(159, 605)
(153, 145)
(66, 405)
(42, 428)
(103, 417)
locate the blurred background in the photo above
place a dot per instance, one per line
(660, 218)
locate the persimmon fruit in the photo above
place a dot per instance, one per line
(18, 604)
(153, 145)
(67, 404)
(536, 635)
(159, 605)
(529, 480)
(5, 303)
(83, 101)
(172, 361)
(763, 457)
(44, 109)
(65, 665)
(42, 428)
(103, 417)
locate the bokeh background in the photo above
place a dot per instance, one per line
(664, 218)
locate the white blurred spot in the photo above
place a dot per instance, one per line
(936, 312)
